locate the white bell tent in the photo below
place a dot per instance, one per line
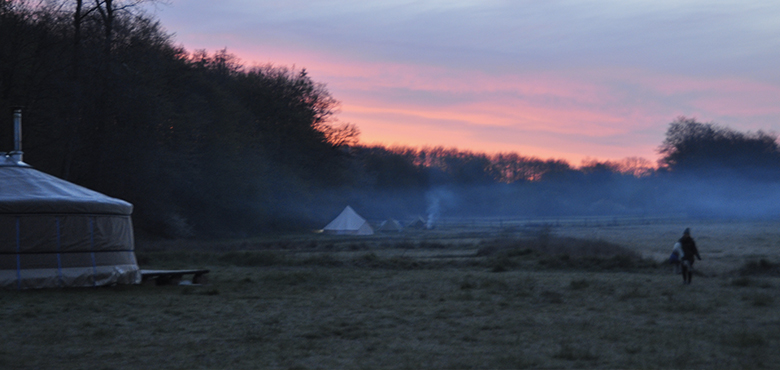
(349, 222)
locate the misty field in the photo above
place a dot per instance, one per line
(572, 296)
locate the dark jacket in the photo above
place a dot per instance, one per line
(689, 248)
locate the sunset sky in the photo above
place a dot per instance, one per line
(553, 79)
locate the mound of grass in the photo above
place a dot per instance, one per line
(561, 253)
(760, 267)
(596, 263)
(554, 246)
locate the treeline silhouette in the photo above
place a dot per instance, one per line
(205, 146)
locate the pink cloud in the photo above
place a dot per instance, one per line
(571, 114)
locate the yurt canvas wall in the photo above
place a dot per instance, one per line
(57, 234)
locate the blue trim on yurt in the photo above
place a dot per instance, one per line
(59, 249)
(92, 249)
(18, 256)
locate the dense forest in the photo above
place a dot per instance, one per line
(205, 146)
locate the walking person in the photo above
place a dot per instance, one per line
(689, 252)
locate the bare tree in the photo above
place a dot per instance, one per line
(342, 135)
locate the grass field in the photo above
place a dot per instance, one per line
(560, 297)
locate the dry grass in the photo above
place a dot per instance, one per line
(309, 306)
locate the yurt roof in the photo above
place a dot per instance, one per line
(24, 189)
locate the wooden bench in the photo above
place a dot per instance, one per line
(173, 277)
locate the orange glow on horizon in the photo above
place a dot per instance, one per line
(396, 135)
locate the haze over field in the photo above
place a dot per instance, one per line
(203, 143)
(554, 79)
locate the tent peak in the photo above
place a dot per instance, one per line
(349, 222)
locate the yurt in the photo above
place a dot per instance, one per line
(349, 222)
(54, 233)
